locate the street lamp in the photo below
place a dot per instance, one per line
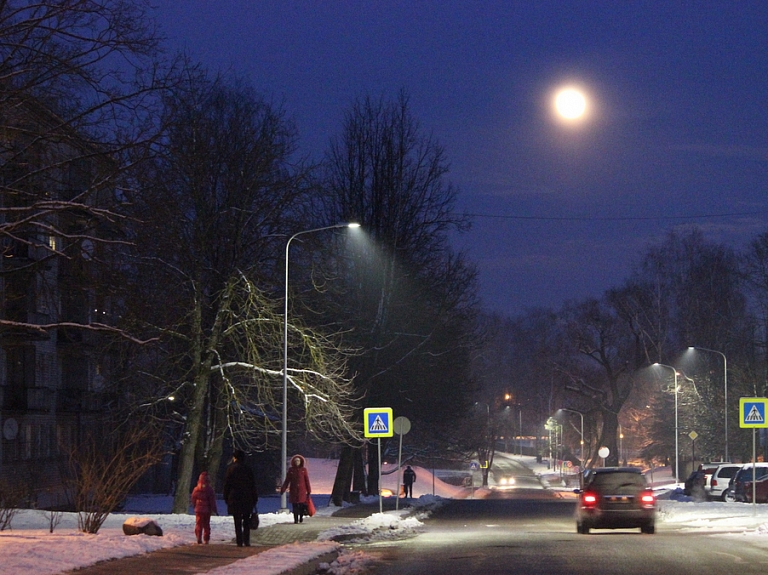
(677, 450)
(581, 416)
(725, 392)
(284, 446)
(507, 399)
(621, 446)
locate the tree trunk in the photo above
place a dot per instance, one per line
(373, 471)
(610, 430)
(197, 410)
(189, 445)
(343, 479)
(217, 445)
(358, 479)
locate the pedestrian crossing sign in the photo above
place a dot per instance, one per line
(752, 411)
(378, 422)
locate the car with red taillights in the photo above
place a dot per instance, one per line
(615, 498)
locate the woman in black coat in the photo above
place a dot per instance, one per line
(241, 497)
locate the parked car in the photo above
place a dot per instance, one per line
(709, 470)
(744, 476)
(699, 481)
(615, 498)
(720, 481)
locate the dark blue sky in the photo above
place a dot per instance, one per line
(678, 126)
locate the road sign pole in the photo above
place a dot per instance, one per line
(752, 414)
(754, 472)
(381, 503)
(693, 435)
(399, 463)
(401, 426)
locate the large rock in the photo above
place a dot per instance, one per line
(139, 525)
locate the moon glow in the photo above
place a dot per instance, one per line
(570, 103)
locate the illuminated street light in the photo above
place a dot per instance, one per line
(284, 446)
(725, 392)
(677, 450)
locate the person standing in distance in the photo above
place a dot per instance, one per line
(409, 476)
(204, 501)
(241, 496)
(297, 480)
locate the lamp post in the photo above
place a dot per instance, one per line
(485, 466)
(621, 447)
(284, 446)
(677, 451)
(581, 416)
(725, 393)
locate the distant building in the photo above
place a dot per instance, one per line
(50, 379)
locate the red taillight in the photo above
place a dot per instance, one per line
(589, 500)
(647, 499)
(713, 483)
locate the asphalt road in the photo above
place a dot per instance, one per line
(532, 532)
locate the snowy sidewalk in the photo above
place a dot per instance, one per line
(282, 548)
(220, 559)
(272, 551)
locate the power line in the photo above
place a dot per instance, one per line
(614, 218)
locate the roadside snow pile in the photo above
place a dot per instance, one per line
(715, 516)
(350, 563)
(377, 527)
(386, 526)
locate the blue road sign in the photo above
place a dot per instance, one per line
(752, 412)
(378, 422)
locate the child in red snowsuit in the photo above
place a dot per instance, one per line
(204, 501)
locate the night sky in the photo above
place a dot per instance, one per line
(676, 133)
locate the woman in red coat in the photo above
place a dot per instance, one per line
(297, 482)
(204, 501)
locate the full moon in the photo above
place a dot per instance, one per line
(570, 103)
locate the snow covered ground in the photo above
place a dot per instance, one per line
(29, 546)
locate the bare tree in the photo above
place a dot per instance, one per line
(251, 382)
(410, 301)
(599, 365)
(79, 80)
(684, 292)
(11, 500)
(54, 517)
(216, 206)
(103, 470)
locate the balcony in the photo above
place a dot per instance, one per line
(40, 399)
(29, 399)
(79, 401)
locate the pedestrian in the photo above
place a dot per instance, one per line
(297, 482)
(204, 501)
(241, 496)
(409, 476)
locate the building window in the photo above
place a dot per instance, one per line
(20, 376)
